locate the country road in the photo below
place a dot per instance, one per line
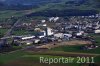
(10, 30)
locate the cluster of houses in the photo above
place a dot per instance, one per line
(5, 25)
(66, 29)
(57, 28)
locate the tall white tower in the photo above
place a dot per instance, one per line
(49, 31)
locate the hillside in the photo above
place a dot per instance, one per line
(56, 4)
(23, 7)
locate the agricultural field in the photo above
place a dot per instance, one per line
(23, 32)
(20, 32)
(3, 31)
(10, 13)
(76, 49)
(20, 58)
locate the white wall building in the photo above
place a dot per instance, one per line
(68, 35)
(53, 19)
(28, 37)
(97, 31)
(49, 31)
(43, 21)
(59, 35)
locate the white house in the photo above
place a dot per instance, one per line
(80, 33)
(0, 26)
(43, 21)
(53, 19)
(50, 19)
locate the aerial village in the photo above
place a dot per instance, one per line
(51, 32)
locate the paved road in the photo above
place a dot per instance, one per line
(8, 33)
(10, 30)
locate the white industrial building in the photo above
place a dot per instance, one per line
(62, 35)
(49, 31)
(68, 35)
(45, 32)
(59, 35)
(28, 37)
(97, 31)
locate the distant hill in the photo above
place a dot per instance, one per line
(29, 4)
(23, 4)
(48, 7)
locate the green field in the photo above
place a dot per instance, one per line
(3, 31)
(20, 32)
(76, 49)
(28, 58)
(5, 58)
(23, 32)
(10, 13)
